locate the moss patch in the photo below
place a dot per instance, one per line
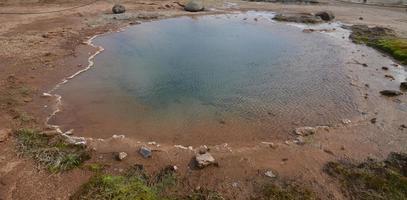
(286, 191)
(383, 39)
(372, 180)
(50, 152)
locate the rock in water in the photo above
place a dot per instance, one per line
(305, 131)
(194, 6)
(403, 85)
(117, 9)
(204, 160)
(145, 152)
(325, 15)
(121, 156)
(390, 93)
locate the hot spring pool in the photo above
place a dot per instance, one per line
(209, 79)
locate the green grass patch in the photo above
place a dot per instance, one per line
(51, 152)
(380, 38)
(133, 184)
(372, 180)
(286, 191)
(204, 194)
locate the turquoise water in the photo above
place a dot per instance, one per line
(172, 78)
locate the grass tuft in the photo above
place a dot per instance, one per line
(372, 180)
(286, 191)
(51, 152)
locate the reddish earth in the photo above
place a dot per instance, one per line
(39, 50)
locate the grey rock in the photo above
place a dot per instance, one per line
(298, 18)
(325, 15)
(390, 93)
(299, 140)
(204, 160)
(194, 6)
(145, 152)
(117, 9)
(4, 134)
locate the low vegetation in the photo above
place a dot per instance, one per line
(372, 180)
(51, 152)
(286, 191)
(134, 184)
(383, 39)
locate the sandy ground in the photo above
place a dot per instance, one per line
(39, 50)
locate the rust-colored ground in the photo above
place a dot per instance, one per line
(39, 50)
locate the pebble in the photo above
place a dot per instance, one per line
(270, 174)
(121, 156)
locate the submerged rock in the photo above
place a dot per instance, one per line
(145, 152)
(298, 18)
(194, 6)
(390, 93)
(403, 85)
(204, 160)
(325, 15)
(117, 9)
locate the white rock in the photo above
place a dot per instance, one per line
(204, 160)
(270, 174)
(346, 121)
(121, 156)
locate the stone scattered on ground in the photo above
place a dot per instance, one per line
(117, 9)
(194, 6)
(300, 140)
(298, 18)
(121, 156)
(403, 85)
(270, 174)
(390, 93)
(325, 15)
(145, 152)
(346, 121)
(203, 149)
(389, 77)
(373, 120)
(305, 131)
(204, 160)
(385, 68)
(4, 134)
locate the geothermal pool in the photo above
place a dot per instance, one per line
(208, 80)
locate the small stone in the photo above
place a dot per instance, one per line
(121, 156)
(4, 134)
(305, 131)
(346, 121)
(328, 151)
(269, 144)
(385, 68)
(203, 149)
(204, 160)
(117, 9)
(390, 93)
(145, 152)
(389, 76)
(403, 85)
(270, 174)
(299, 140)
(325, 15)
(360, 18)
(194, 6)
(373, 120)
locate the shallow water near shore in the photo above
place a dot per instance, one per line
(209, 80)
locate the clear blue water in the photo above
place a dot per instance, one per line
(175, 77)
